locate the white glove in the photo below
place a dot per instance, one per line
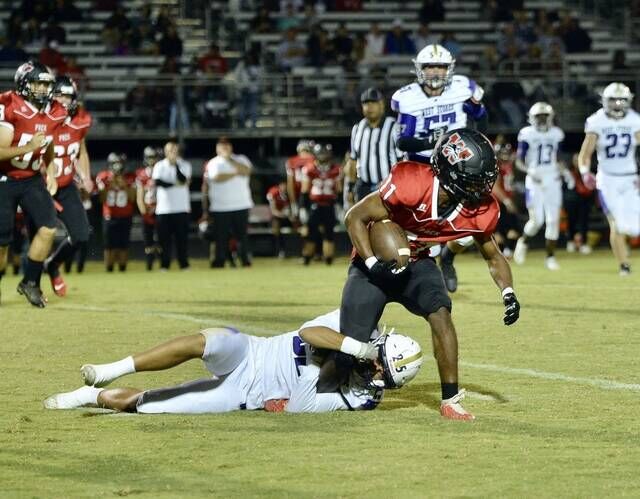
(568, 179)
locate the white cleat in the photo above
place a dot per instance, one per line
(585, 249)
(84, 396)
(571, 247)
(520, 252)
(91, 375)
(551, 263)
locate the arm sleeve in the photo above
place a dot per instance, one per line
(305, 397)
(406, 125)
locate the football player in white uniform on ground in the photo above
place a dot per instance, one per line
(438, 102)
(277, 374)
(538, 146)
(614, 133)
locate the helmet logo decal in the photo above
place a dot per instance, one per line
(455, 150)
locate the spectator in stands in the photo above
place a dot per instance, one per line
(213, 62)
(342, 43)
(533, 62)
(423, 37)
(511, 101)
(262, 22)
(11, 52)
(488, 62)
(140, 101)
(174, 95)
(55, 32)
(106, 5)
(502, 10)
(289, 19)
(547, 36)
(553, 59)
(142, 39)
(431, 11)
(248, 82)
(319, 47)
(38, 10)
(375, 43)
(172, 176)
(509, 45)
(359, 47)
(349, 87)
(65, 11)
(523, 28)
(115, 28)
(13, 27)
(619, 62)
(226, 196)
(290, 52)
(575, 38)
(76, 73)
(449, 42)
(398, 41)
(348, 5)
(170, 44)
(50, 56)
(163, 19)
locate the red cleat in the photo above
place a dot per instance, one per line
(451, 408)
(59, 286)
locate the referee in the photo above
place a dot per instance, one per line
(373, 146)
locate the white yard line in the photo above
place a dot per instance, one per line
(251, 328)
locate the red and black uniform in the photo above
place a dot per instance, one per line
(67, 141)
(279, 199)
(410, 194)
(117, 209)
(323, 193)
(506, 176)
(294, 167)
(146, 183)
(20, 180)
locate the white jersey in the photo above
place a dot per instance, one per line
(539, 150)
(422, 116)
(286, 368)
(616, 146)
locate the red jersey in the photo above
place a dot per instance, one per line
(67, 142)
(117, 203)
(146, 183)
(279, 198)
(410, 193)
(25, 120)
(324, 184)
(505, 177)
(294, 167)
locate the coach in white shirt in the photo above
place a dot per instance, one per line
(226, 196)
(171, 177)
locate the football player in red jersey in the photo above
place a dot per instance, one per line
(29, 119)
(146, 201)
(321, 185)
(508, 230)
(118, 195)
(280, 213)
(452, 199)
(71, 159)
(294, 167)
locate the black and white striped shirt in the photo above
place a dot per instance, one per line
(374, 149)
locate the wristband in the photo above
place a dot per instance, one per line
(507, 290)
(351, 346)
(370, 262)
(584, 169)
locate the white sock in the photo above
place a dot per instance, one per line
(84, 396)
(109, 372)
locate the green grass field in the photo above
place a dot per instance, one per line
(555, 396)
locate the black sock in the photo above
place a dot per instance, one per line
(82, 255)
(122, 267)
(446, 255)
(110, 268)
(150, 257)
(33, 271)
(2, 274)
(510, 243)
(329, 260)
(307, 260)
(449, 390)
(16, 269)
(62, 253)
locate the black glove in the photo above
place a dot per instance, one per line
(512, 309)
(386, 270)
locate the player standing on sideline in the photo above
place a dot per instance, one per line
(294, 167)
(276, 374)
(614, 132)
(449, 200)
(538, 146)
(28, 121)
(280, 214)
(508, 224)
(146, 201)
(118, 196)
(321, 186)
(438, 102)
(71, 157)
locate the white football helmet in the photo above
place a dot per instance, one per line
(434, 55)
(616, 99)
(150, 156)
(305, 145)
(401, 357)
(541, 116)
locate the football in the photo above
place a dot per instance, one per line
(389, 242)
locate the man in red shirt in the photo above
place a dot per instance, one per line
(29, 119)
(212, 62)
(449, 200)
(118, 195)
(280, 212)
(321, 184)
(71, 159)
(146, 201)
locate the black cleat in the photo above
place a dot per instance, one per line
(32, 293)
(450, 276)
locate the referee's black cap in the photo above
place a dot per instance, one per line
(371, 94)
